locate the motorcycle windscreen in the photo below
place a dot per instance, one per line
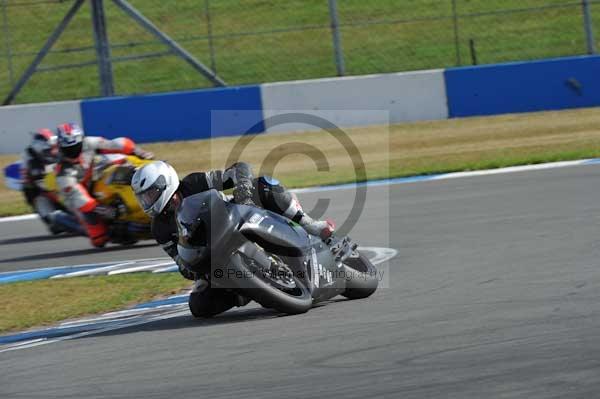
(203, 220)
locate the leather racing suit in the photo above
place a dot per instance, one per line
(33, 171)
(74, 177)
(262, 191)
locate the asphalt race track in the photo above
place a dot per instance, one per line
(495, 293)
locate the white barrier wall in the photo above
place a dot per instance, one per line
(404, 97)
(17, 121)
(346, 102)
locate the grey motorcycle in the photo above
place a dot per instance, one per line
(265, 257)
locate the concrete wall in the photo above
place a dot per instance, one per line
(16, 122)
(398, 97)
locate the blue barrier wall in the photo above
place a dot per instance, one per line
(572, 82)
(175, 116)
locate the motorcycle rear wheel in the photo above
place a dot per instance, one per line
(361, 277)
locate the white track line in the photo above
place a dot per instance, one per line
(20, 218)
(101, 264)
(381, 254)
(511, 169)
(125, 324)
(167, 269)
(92, 272)
(447, 176)
(140, 268)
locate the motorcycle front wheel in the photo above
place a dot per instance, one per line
(290, 297)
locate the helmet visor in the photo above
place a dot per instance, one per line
(151, 195)
(72, 151)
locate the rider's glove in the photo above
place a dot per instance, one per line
(111, 212)
(242, 194)
(142, 153)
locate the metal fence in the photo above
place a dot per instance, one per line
(255, 41)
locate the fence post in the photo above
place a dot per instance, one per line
(107, 87)
(166, 39)
(211, 46)
(43, 52)
(473, 52)
(6, 34)
(588, 26)
(337, 39)
(456, 38)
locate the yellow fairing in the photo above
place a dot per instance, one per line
(110, 186)
(107, 190)
(50, 182)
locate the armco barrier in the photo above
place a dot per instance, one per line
(407, 96)
(175, 116)
(18, 121)
(572, 82)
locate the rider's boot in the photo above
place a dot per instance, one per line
(319, 228)
(273, 196)
(206, 301)
(46, 208)
(96, 229)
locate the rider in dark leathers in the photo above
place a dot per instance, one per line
(263, 191)
(38, 157)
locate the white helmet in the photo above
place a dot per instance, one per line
(154, 185)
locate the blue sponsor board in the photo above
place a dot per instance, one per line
(572, 82)
(176, 116)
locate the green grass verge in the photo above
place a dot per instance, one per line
(398, 170)
(38, 303)
(13, 209)
(257, 41)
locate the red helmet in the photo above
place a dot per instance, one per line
(70, 139)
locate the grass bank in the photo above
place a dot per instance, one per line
(38, 303)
